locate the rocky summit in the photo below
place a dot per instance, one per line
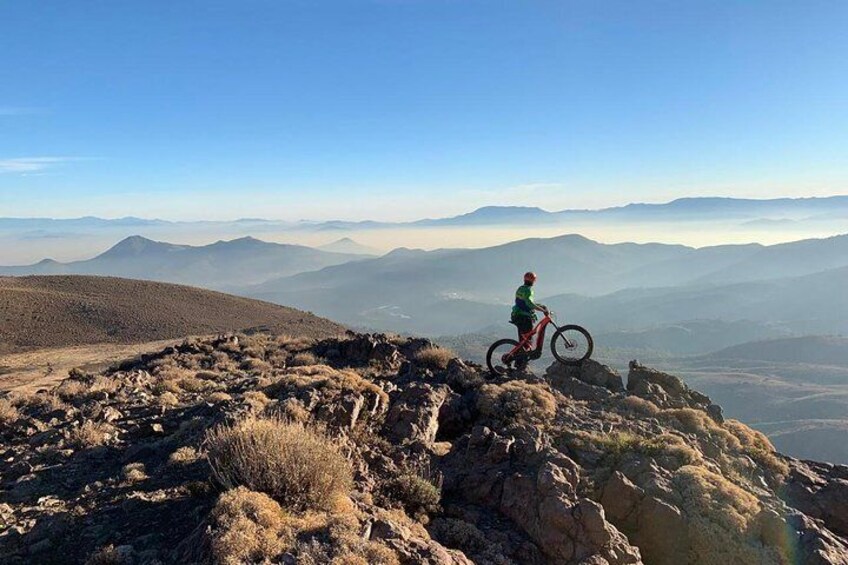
(377, 449)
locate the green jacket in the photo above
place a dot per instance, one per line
(524, 304)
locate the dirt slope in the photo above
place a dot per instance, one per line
(50, 311)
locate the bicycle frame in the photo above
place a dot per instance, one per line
(539, 333)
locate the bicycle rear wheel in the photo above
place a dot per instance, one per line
(498, 359)
(572, 345)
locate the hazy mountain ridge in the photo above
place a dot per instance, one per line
(681, 208)
(618, 286)
(217, 265)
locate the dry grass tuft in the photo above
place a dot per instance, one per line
(460, 534)
(135, 472)
(616, 444)
(91, 434)
(167, 399)
(183, 456)
(434, 357)
(71, 388)
(256, 400)
(758, 447)
(416, 494)
(517, 402)
(322, 377)
(8, 412)
(218, 397)
(641, 406)
(304, 359)
(163, 386)
(249, 527)
(293, 411)
(721, 518)
(293, 464)
(256, 365)
(193, 384)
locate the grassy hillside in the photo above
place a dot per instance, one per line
(49, 311)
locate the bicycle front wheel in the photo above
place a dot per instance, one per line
(498, 358)
(572, 345)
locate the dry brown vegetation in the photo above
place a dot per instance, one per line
(91, 434)
(323, 377)
(293, 464)
(134, 472)
(185, 455)
(516, 402)
(415, 493)
(51, 311)
(8, 412)
(434, 357)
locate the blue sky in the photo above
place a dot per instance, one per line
(397, 109)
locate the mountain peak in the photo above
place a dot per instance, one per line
(135, 245)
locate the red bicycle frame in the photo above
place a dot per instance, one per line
(539, 332)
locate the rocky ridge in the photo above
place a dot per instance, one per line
(448, 466)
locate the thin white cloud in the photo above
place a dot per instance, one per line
(23, 165)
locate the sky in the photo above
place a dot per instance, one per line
(402, 109)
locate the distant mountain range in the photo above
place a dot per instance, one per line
(781, 210)
(349, 246)
(794, 287)
(614, 287)
(220, 265)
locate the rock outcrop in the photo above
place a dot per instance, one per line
(450, 465)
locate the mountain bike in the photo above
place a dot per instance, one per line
(570, 345)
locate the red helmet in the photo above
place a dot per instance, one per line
(529, 277)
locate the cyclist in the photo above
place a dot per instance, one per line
(524, 311)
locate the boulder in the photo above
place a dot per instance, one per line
(535, 487)
(414, 413)
(668, 391)
(819, 490)
(590, 372)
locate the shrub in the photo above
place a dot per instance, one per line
(167, 399)
(218, 397)
(256, 400)
(304, 359)
(91, 434)
(434, 357)
(71, 388)
(256, 365)
(322, 377)
(415, 493)
(293, 411)
(104, 384)
(640, 406)
(460, 534)
(185, 455)
(248, 527)
(163, 386)
(46, 401)
(193, 384)
(135, 472)
(293, 464)
(721, 518)
(517, 402)
(8, 412)
(758, 447)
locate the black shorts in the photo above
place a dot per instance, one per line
(524, 323)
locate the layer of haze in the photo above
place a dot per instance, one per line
(19, 249)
